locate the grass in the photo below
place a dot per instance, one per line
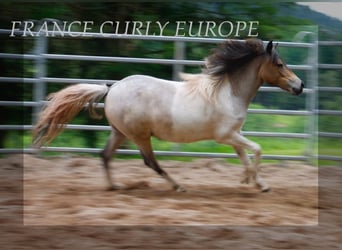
(254, 122)
(329, 146)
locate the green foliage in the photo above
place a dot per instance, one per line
(275, 123)
(276, 22)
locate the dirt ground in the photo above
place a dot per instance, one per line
(61, 203)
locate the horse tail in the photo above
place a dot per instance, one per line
(63, 106)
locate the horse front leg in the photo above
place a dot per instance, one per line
(246, 163)
(251, 172)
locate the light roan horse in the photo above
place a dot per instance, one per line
(211, 105)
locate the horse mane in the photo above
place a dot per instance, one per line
(232, 56)
(228, 60)
(200, 83)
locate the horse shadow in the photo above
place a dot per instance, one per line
(143, 189)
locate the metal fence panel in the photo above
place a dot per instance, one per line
(40, 57)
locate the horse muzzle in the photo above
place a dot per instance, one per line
(297, 90)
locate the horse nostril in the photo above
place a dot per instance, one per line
(298, 91)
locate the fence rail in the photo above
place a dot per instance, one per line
(40, 56)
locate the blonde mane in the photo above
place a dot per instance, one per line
(201, 84)
(229, 61)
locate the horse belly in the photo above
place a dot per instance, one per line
(186, 135)
(193, 120)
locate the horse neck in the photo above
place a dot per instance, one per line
(247, 83)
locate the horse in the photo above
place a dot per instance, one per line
(210, 105)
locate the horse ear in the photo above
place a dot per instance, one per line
(269, 47)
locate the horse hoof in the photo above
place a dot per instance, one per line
(180, 189)
(114, 188)
(245, 180)
(263, 187)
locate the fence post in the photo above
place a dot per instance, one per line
(179, 49)
(312, 100)
(39, 87)
(178, 54)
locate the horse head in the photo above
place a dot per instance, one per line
(275, 72)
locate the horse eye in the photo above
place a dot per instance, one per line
(280, 65)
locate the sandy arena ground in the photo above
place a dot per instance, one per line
(66, 206)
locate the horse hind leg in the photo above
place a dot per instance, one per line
(150, 161)
(115, 140)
